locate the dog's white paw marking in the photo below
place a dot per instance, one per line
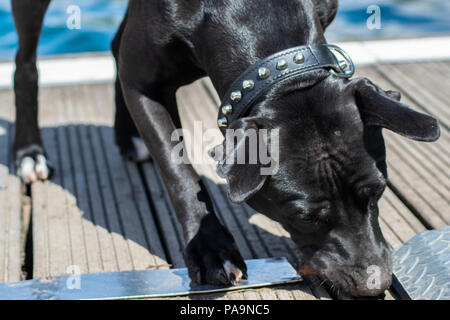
(41, 167)
(233, 272)
(30, 170)
(26, 170)
(142, 152)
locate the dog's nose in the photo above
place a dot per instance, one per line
(306, 270)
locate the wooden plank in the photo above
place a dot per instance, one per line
(397, 223)
(110, 217)
(51, 244)
(7, 115)
(391, 238)
(251, 295)
(91, 241)
(129, 214)
(279, 292)
(399, 219)
(64, 166)
(418, 192)
(146, 215)
(135, 216)
(104, 229)
(432, 76)
(86, 119)
(154, 256)
(284, 294)
(10, 197)
(233, 296)
(158, 198)
(173, 238)
(268, 294)
(4, 172)
(41, 268)
(51, 250)
(15, 250)
(416, 91)
(442, 66)
(424, 161)
(10, 227)
(434, 186)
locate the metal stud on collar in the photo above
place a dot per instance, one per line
(282, 64)
(227, 109)
(263, 73)
(222, 122)
(248, 85)
(236, 96)
(299, 58)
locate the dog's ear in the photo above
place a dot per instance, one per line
(383, 109)
(237, 162)
(327, 10)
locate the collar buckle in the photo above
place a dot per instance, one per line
(345, 63)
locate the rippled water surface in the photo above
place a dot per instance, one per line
(100, 18)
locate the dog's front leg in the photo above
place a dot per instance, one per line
(29, 155)
(211, 254)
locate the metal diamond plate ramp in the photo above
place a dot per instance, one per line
(144, 283)
(422, 265)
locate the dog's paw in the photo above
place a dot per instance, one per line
(223, 265)
(33, 168)
(137, 151)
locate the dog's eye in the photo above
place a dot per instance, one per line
(312, 214)
(369, 192)
(319, 214)
(368, 196)
(322, 212)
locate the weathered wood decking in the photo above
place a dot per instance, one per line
(102, 213)
(10, 201)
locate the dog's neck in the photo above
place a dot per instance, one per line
(241, 43)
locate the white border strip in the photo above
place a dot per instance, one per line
(399, 50)
(66, 70)
(76, 69)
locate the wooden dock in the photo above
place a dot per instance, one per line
(102, 213)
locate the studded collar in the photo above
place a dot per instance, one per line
(278, 67)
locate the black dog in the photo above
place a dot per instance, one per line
(332, 169)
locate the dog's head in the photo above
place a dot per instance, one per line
(331, 174)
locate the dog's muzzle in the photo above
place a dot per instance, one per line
(277, 68)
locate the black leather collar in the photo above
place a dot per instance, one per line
(280, 66)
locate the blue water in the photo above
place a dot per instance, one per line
(399, 19)
(99, 22)
(100, 19)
